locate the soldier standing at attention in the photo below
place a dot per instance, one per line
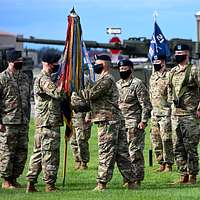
(161, 114)
(184, 85)
(107, 116)
(135, 105)
(48, 119)
(81, 135)
(14, 120)
(82, 127)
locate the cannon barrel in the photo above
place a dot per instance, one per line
(89, 44)
(132, 46)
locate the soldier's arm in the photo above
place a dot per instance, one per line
(49, 87)
(169, 88)
(100, 88)
(196, 75)
(144, 100)
(26, 78)
(1, 94)
(2, 127)
(150, 91)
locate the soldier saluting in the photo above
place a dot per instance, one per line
(184, 93)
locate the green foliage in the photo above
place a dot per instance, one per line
(79, 184)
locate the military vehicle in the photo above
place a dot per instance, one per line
(133, 47)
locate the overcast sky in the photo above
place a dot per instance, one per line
(48, 18)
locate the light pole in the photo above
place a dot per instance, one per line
(197, 15)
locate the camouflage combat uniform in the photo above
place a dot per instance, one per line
(112, 139)
(15, 115)
(161, 118)
(136, 107)
(80, 137)
(48, 119)
(185, 130)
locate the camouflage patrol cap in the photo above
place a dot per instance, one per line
(51, 56)
(125, 62)
(13, 55)
(181, 47)
(102, 57)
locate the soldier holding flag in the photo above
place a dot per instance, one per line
(161, 114)
(161, 135)
(107, 116)
(48, 117)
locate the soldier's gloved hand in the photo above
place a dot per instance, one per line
(2, 128)
(141, 125)
(59, 87)
(85, 94)
(198, 114)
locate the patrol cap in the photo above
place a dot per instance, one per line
(51, 56)
(13, 55)
(181, 47)
(125, 63)
(159, 57)
(102, 57)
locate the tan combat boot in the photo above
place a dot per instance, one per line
(16, 184)
(7, 184)
(168, 168)
(132, 186)
(31, 187)
(83, 166)
(125, 183)
(184, 179)
(192, 179)
(138, 183)
(162, 167)
(51, 188)
(100, 187)
(77, 165)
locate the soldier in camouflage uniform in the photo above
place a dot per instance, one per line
(14, 120)
(48, 119)
(81, 135)
(82, 127)
(79, 140)
(135, 105)
(161, 114)
(184, 85)
(107, 116)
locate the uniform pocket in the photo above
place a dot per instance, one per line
(51, 141)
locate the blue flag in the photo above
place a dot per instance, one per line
(158, 45)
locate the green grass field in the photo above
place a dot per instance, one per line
(79, 184)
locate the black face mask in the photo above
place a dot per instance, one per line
(180, 58)
(157, 67)
(98, 68)
(18, 65)
(125, 74)
(55, 68)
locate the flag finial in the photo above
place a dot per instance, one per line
(73, 12)
(155, 15)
